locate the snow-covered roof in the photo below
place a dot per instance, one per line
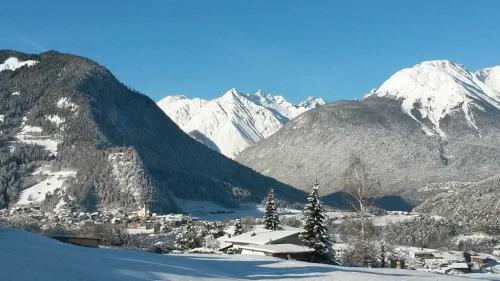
(423, 251)
(458, 265)
(222, 242)
(485, 256)
(262, 236)
(278, 248)
(450, 255)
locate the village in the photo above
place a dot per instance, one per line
(182, 233)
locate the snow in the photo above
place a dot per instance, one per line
(262, 236)
(53, 180)
(392, 218)
(278, 248)
(280, 104)
(491, 77)
(235, 120)
(57, 120)
(2, 117)
(33, 135)
(66, 103)
(476, 237)
(140, 230)
(123, 167)
(25, 256)
(13, 63)
(432, 90)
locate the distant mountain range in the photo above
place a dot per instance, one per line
(71, 134)
(430, 129)
(234, 121)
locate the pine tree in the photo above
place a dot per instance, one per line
(271, 219)
(238, 228)
(315, 230)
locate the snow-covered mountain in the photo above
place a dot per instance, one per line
(72, 135)
(234, 121)
(428, 129)
(432, 90)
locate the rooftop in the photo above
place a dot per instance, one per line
(279, 248)
(262, 236)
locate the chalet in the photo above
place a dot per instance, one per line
(282, 243)
(285, 251)
(262, 236)
(458, 266)
(450, 256)
(422, 253)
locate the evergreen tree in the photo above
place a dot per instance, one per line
(271, 219)
(238, 228)
(315, 230)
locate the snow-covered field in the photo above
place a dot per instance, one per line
(26, 256)
(33, 135)
(51, 182)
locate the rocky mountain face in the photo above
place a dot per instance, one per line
(70, 133)
(428, 129)
(234, 121)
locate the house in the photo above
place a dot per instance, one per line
(421, 253)
(450, 256)
(80, 241)
(496, 250)
(262, 236)
(285, 251)
(479, 260)
(284, 243)
(458, 266)
(397, 262)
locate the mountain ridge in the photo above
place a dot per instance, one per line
(234, 121)
(116, 148)
(391, 137)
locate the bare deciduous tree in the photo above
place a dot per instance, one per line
(359, 188)
(360, 192)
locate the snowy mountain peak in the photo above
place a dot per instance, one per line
(431, 90)
(235, 120)
(232, 92)
(491, 77)
(312, 102)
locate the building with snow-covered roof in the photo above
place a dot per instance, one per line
(284, 243)
(450, 256)
(287, 251)
(458, 266)
(421, 253)
(262, 236)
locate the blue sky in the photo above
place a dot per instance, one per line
(333, 49)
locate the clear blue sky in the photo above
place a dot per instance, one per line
(334, 49)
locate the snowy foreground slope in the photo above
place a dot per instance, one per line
(26, 256)
(234, 121)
